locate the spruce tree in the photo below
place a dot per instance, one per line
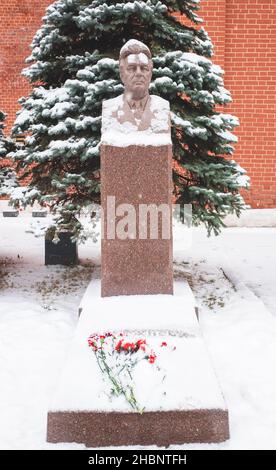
(74, 66)
(7, 174)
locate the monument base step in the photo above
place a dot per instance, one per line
(161, 428)
(187, 407)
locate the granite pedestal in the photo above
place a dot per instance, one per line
(138, 176)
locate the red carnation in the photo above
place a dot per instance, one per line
(129, 346)
(152, 358)
(92, 344)
(140, 342)
(119, 345)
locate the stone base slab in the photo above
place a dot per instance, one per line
(193, 409)
(128, 429)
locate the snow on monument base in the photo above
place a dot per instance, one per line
(188, 406)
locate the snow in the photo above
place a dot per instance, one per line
(222, 94)
(141, 57)
(54, 95)
(163, 81)
(60, 128)
(133, 137)
(228, 136)
(243, 181)
(106, 61)
(23, 194)
(233, 279)
(23, 117)
(196, 59)
(128, 133)
(253, 218)
(59, 110)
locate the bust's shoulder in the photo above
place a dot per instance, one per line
(113, 102)
(158, 102)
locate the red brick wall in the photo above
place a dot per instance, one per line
(19, 20)
(244, 37)
(245, 45)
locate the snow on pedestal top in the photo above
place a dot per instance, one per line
(121, 128)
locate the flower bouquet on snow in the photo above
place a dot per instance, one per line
(120, 359)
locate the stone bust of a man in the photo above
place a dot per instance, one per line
(136, 117)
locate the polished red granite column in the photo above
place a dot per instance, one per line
(136, 175)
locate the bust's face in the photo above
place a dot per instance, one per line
(136, 72)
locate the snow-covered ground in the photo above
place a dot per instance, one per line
(233, 279)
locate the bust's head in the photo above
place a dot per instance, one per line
(135, 68)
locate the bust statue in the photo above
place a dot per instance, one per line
(136, 117)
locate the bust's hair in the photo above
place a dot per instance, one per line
(133, 46)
